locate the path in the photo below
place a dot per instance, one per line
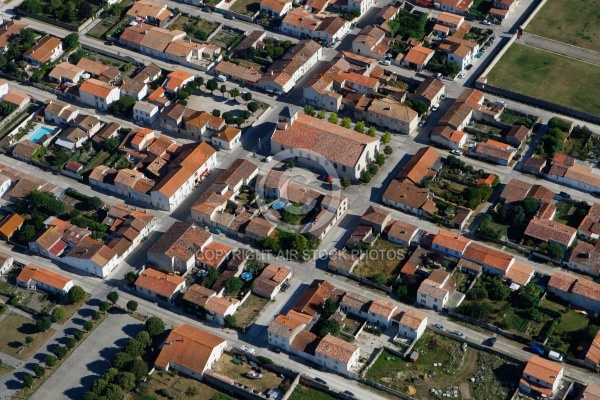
(554, 46)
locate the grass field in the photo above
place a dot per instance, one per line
(569, 21)
(548, 77)
(177, 386)
(493, 375)
(225, 366)
(13, 331)
(306, 393)
(246, 7)
(380, 262)
(248, 312)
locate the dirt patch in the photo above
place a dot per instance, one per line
(465, 391)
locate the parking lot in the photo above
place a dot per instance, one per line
(217, 101)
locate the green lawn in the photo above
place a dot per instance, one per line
(574, 22)
(13, 331)
(548, 77)
(248, 312)
(306, 393)
(246, 7)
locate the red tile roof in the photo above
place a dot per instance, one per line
(33, 272)
(159, 282)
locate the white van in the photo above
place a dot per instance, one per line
(553, 355)
(221, 78)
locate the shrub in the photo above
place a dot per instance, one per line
(76, 294)
(387, 150)
(264, 360)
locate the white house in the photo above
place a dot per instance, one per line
(380, 312)
(59, 113)
(282, 331)
(34, 277)
(98, 94)
(450, 243)
(432, 295)
(275, 8)
(301, 23)
(190, 350)
(541, 377)
(6, 262)
(227, 138)
(145, 112)
(93, 257)
(269, 282)
(159, 285)
(412, 324)
(217, 308)
(47, 49)
(336, 354)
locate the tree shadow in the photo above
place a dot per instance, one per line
(28, 329)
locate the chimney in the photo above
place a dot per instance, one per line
(271, 72)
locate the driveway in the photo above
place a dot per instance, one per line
(90, 360)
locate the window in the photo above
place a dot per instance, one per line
(281, 147)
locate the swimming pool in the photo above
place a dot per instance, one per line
(40, 132)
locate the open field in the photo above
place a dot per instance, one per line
(451, 373)
(306, 393)
(248, 312)
(569, 21)
(176, 385)
(548, 76)
(246, 7)
(13, 331)
(380, 262)
(225, 366)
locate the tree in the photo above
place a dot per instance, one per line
(497, 290)
(89, 396)
(93, 202)
(132, 305)
(230, 321)
(387, 150)
(228, 117)
(113, 392)
(85, 10)
(88, 326)
(330, 327)
(253, 107)
(6, 108)
(71, 41)
(480, 310)
(372, 131)
(28, 340)
(121, 359)
(530, 205)
(555, 251)
(70, 343)
(329, 308)
(223, 90)
(113, 297)
(110, 374)
(233, 286)
(77, 335)
(239, 121)
(291, 164)
(380, 159)
(103, 306)
(333, 118)
(134, 348)
(125, 380)
(58, 314)
(123, 106)
(96, 316)
(45, 202)
(155, 326)
(518, 215)
(28, 380)
(50, 361)
(365, 177)
(144, 338)
(386, 138)
(212, 85)
(321, 114)
(234, 93)
(346, 123)
(309, 110)
(345, 182)
(373, 169)
(247, 97)
(39, 370)
(452, 69)
(360, 127)
(477, 293)
(76, 294)
(192, 391)
(139, 368)
(418, 105)
(99, 386)
(529, 296)
(60, 352)
(26, 233)
(32, 6)
(11, 67)
(43, 324)
(246, 114)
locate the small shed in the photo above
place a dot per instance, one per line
(414, 356)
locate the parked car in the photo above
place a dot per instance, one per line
(553, 355)
(440, 327)
(537, 349)
(317, 379)
(439, 76)
(248, 349)
(386, 62)
(461, 75)
(456, 152)
(216, 231)
(229, 16)
(468, 67)
(490, 341)
(277, 350)
(565, 195)
(349, 393)
(459, 334)
(435, 107)
(485, 22)
(221, 78)
(207, 9)
(443, 97)
(269, 159)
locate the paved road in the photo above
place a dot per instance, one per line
(529, 39)
(88, 362)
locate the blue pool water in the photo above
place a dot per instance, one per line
(39, 132)
(246, 276)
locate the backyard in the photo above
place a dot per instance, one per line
(234, 370)
(13, 330)
(569, 21)
(179, 386)
(547, 76)
(226, 38)
(445, 370)
(569, 330)
(378, 265)
(248, 312)
(194, 26)
(246, 7)
(570, 214)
